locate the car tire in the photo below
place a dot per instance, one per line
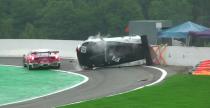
(88, 67)
(30, 67)
(24, 63)
(58, 67)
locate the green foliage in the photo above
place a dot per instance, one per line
(115, 15)
(177, 11)
(78, 19)
(29, 32)
(7, 28)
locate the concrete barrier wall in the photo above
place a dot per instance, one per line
(18, 47)
(180, 56)
(165, 55)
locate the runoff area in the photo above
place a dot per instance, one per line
(20, 84)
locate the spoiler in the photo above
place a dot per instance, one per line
(45, 52)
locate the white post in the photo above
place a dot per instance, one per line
(188, 40)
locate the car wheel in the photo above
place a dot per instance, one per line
(30, 67)
(24, 64)
(58, 67)
(88, 67)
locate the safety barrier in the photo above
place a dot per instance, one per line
(18, 47)
(203, 68)
(157, 53)
(179, 55)
(162, 54)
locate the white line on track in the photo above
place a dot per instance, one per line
(163, 75)
(84, 81)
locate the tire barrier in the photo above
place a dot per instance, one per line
(203, 68)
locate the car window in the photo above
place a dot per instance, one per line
(43, 54)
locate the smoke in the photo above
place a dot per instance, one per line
(99, 36)
(77, 66)
(72, 62)
(97, 43)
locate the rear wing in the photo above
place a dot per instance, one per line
(36, 52)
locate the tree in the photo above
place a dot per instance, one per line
(177, 11)
(57, 19)
(7, 30)
(145, 6)
(24, 12)
(200, 11)
(29, 32)
(79, 19)
(115, 15)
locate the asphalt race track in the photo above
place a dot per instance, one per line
(102, 82)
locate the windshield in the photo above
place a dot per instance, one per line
(46, 54)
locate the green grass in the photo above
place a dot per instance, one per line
(17, 84)
(179, 91)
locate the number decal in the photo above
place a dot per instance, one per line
(83, 49)
(115, 59)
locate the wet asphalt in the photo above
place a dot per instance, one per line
(102, 82)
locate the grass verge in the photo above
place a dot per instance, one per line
(20, 84)
(179, 91)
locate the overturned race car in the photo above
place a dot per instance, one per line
(42, 58)
(101, 52)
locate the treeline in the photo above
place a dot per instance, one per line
(78, 19)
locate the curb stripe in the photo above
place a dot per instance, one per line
(163, 75)
(58, 91)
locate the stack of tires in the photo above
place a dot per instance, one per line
(203, 68)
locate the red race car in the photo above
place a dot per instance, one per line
(42, 58)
